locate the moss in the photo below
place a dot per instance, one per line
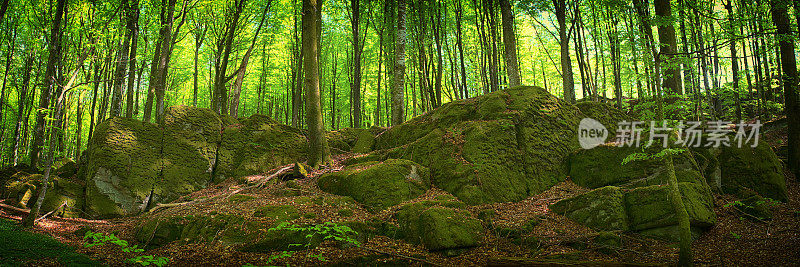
(239, 198)
(23, 248)
(499, 147)
(345, 213)
(124, 165)
(278, 213)
(602, 166)
(438, 228)
(600, 209)
(649, 207)
(605, 113)
(256, 145)
(378, 185)
(191, 138)
(206, 228)
(609, 242)
(758, 169)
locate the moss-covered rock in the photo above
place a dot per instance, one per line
(257, 145)
(499, 147)
(191, 139)
(758, 169)
(600, 209)
(378, 185)
(649, 207)
(437, 227)
(605, 113)
(230, 229)
(602, 166)
(124, 166)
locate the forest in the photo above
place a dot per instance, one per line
(399, 132)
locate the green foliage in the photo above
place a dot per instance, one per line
(324, 231)
(92, 239)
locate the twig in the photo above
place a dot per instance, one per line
(51, 212)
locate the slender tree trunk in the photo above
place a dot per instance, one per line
(224, 46)
(3, 8)
(566, 62)
(133, 27)
(685, 254)
(398, 84)
(121, 64)
(790, 82)
(23, 95)
(437, 33)
(50, 84)
(312, 28)
(460, 44)
(734, 61)
(510, 43)
(242, 70)
(355, 87)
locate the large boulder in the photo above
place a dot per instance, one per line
(133, 164)
(353, 140)
(65, 197)
(608, 115)
(191, 139)
(438, 227)
(257, 145)
(124, 167)
(378, 185)
(649, 207)
(499, 147)
(757, 169)
(601, 209)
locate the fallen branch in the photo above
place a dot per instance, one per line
(15, 209)
(51, 212)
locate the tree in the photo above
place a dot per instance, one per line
(566, 62)
(398, 84)
(50, 82)
(358, 47)
(160, 64)
(669, 46)
(312, 32)
(224, 47)
(790, 81)
(510, 43)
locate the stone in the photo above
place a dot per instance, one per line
(600, 209)
(378, 185)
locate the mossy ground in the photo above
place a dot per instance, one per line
(23, 248)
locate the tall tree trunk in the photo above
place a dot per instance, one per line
(685, 245)
(225, 46)
(133, 27)
(23, 96)
(790, 82)
(510, 43)
(3, 8)
(121, 64)
(566, 62)
(312, 29)
(50, 83)
(199, 37)
(398, 84)
(355, 87)
(669, 47)
(734, 60)
(437, 34)
(242, 70)
(460, 44)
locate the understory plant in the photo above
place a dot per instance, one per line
(322, 232)
(92, 239)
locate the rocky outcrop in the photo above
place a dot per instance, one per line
(438, 226)
(757, 169)
(499, 147)
(133, 164)
(378, 185)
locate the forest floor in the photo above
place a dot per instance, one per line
(734, 240)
